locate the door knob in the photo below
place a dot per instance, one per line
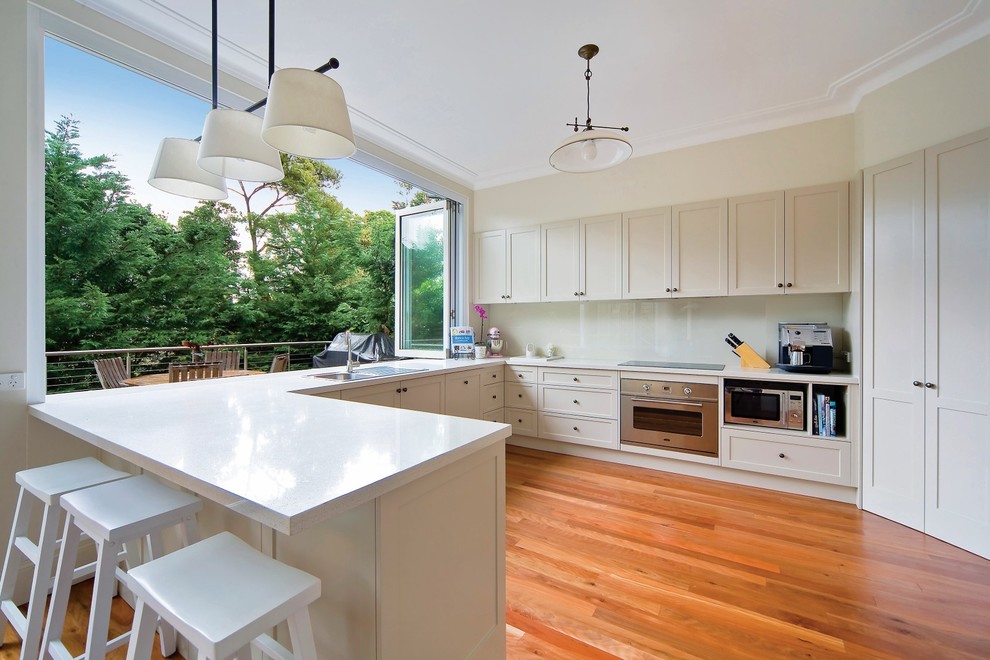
(930, 386)
(675, 289)
(781, 455)
(789, 285)
(780, 285)
(917, 383)
(576, 402)
(667, 289)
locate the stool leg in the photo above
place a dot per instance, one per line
(301, 634)
(63, 583)
(142, 632)
(14, 558)
(166, 633)
(103, 590)
(42, 580)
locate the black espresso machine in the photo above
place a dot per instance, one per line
(805, 347)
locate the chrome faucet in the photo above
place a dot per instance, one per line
(347, 339)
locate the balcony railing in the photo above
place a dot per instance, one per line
(73, 371)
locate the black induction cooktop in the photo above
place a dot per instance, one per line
(672, 365)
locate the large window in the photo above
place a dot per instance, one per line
(340, 245)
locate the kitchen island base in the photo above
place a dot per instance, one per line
(419, 572)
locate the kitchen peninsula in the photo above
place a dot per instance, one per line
(400, 513)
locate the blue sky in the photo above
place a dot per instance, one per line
(125, 115)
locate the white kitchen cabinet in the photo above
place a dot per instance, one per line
(646, 254)
(756, 244)
(816, 239)
(582, 259)
(699, 242)
(786, 242)
(926, 277)
(812, 459)
(424, 393)
(463, 394)
(521, 399)
(579, 406)
(507, 265)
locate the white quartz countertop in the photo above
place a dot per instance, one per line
(730, 370)
(257, 445)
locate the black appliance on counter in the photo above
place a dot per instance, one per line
(805, 347)
(375, 347)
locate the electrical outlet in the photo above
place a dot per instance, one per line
(11, 381)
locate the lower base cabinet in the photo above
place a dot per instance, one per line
(581, 430)
(800, 457)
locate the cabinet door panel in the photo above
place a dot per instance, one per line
(560, 245)
(756, 244)
(462, 392)
(523, 264)
(489, 268)
(700, 236)
(379, 395)
(646, 254)
(601, 257)
(957, 313)
(893, 347)
(425, 394)
(816, 238)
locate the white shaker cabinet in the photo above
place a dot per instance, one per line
(926, 372)
(794, 241)
(463, 394)
(756, 244)
(507, 265)
(582, 259)
(424, 394)
(699, 242)
(816, 239)
(646, 254)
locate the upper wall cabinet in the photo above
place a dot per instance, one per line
(699, 239)
(646, 254)
(790, 242)
(582, 259)
(675, 252)
(507, 265)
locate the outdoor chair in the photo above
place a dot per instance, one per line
(279, 363)
(231, 359)
(179, 373)
(111, 372)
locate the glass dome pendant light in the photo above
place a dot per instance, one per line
(596, 147)
(231, 145)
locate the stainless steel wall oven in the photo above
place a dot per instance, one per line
(669, 415)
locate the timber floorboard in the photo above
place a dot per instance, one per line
(606, 560)
(76, 624)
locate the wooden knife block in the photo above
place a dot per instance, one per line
(749, 359)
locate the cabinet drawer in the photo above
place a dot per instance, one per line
(520, 374)
(801, 458)
(523, 421)
(597, 403)
(580, 430)
(494, 416)
(492, 375)
(579, 378)
(491, 396)
(520, 395)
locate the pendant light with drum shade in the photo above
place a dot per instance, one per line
(596, 147)
(231, 145)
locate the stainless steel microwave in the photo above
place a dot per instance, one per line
(776, 406)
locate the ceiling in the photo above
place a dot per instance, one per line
(481, 91)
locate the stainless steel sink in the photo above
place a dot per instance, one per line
(343, 376)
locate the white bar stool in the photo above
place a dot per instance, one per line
(223, 595)
(114, 514)
(45, 484)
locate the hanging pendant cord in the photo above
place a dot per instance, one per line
(214, 58)
(271, 40)
(587, 79)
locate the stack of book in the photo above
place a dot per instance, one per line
(823, 415)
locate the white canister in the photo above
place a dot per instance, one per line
(530, 350)
(479, 350)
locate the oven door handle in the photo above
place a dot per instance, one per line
(675, 402)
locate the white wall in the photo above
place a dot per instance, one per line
(948, 98)
(807, 154)
(684, 329)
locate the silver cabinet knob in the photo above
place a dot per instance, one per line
(930, 386)
(789, 285)
(917, 383)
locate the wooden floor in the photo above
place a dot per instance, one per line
(76, 622)
(613, 561)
